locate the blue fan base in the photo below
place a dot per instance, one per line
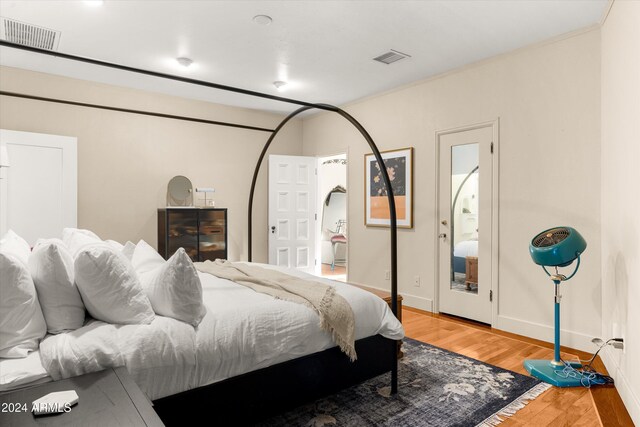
(545, 371)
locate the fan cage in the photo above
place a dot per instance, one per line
(551, 237)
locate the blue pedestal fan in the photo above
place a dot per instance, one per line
(556, 247)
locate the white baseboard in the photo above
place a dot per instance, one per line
(422, 303)
(577, 340)
(631, 401)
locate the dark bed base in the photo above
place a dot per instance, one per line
(256, 395)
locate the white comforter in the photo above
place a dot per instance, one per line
(241, 332)
(466, 248)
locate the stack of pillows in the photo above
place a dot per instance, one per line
(47, 289)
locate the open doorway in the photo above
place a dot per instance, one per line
(332, 226)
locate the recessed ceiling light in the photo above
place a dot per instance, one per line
(262, 19)
(279, 84)
(185, 62)
(94, 2)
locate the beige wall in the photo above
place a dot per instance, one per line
(125, 160)
(621, 197)
(547, 98)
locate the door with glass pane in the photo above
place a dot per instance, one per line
(465, 220)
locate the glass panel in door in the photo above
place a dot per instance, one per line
(464, 217)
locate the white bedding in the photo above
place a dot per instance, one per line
(17, 373)
(466, 248)
(241, 332)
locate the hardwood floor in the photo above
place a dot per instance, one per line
(576, 406)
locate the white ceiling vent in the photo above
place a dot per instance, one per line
(391, 57)
(28, 35)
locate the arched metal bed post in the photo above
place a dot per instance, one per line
(257, 170)
(392, 207)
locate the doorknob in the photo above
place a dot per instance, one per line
(444, 222)
(273, 229)
(443, 236)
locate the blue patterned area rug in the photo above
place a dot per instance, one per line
(435, 388)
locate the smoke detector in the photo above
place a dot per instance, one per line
(28, 34)
(391, 57)
(262, 19)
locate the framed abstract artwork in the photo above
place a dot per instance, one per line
(399, 165)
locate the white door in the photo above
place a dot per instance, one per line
(465, 221)
(38, 192)
(292, 212)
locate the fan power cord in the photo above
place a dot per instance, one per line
(587, 377)
(587, 374)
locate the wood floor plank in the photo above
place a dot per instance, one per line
(588, 419)
(577, 410)
(577, 406)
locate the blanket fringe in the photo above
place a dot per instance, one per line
(515, 406)
(346, 347)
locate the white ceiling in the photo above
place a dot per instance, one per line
(324, 49)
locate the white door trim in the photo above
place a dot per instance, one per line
(495, 211)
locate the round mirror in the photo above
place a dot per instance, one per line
(180, 191)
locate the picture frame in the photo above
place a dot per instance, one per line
(399, 165)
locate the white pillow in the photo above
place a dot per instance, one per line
(51, 267)
(115, 245)
(145, 258)
(69, 231)
(15, 245)
(76, 239)
(22, 324)
(173, 287)
(110, 287)
(128, 249)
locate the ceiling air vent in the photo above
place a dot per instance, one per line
(391, 57)
(28, 35)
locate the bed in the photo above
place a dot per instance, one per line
(290, 382)
(250, 355)
(462, 250)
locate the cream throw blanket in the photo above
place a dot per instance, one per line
(336, 315)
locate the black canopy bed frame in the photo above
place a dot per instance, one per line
(255, 395)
